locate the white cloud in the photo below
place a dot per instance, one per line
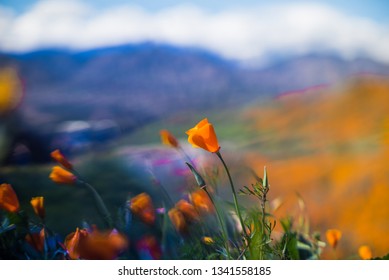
(237, 34)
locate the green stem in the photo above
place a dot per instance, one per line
(233, 193)
(222, 224)
(263, 235)
(105, 215)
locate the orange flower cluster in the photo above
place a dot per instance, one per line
(203, 136)
(188, 210)
(61, 174)
(8, 199)
(184, 213)
(9, 202)
(142, 206)
(95, 245)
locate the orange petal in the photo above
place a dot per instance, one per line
(103, 245)
(187, 210)
(37, 240)
(118, 241)
(8, 199)
(202, 123)
(197, 141)
(168, 138)
(94, 244)
(62, 176)
(197, 126)
(333, 236)
(74, 242)
(142, 206)
(61, 159)
(201, 202)
(178, 220)
(37, 204)
(210, 138)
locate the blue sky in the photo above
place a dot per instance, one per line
(243, 30)
(375, 9)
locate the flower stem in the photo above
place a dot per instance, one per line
(233, 193)
(222, 224)
(186, 156)
(105, 215)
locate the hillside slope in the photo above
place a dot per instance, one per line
(332, 147)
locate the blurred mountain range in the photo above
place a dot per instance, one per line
(103, 92)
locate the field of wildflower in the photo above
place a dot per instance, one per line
(203, 224)
(170, 130)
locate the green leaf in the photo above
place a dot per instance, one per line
(292, 247)
(287, 224)
(265, 179)
(200, 181)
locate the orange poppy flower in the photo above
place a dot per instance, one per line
(62, 176)
(95, 245)
(73, 243)
(178, 220)
(117, 240)
(187, 210)
(8, 199)
(37, 204)
(37, 240)
(333, 237)
(201, 202)
(365, 252)
(168, 139)
(203, 136)
(61, 159)
(103, 245)
(142, 206)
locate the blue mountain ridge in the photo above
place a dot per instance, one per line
(132, 85)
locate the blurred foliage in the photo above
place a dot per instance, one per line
(194, 232)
